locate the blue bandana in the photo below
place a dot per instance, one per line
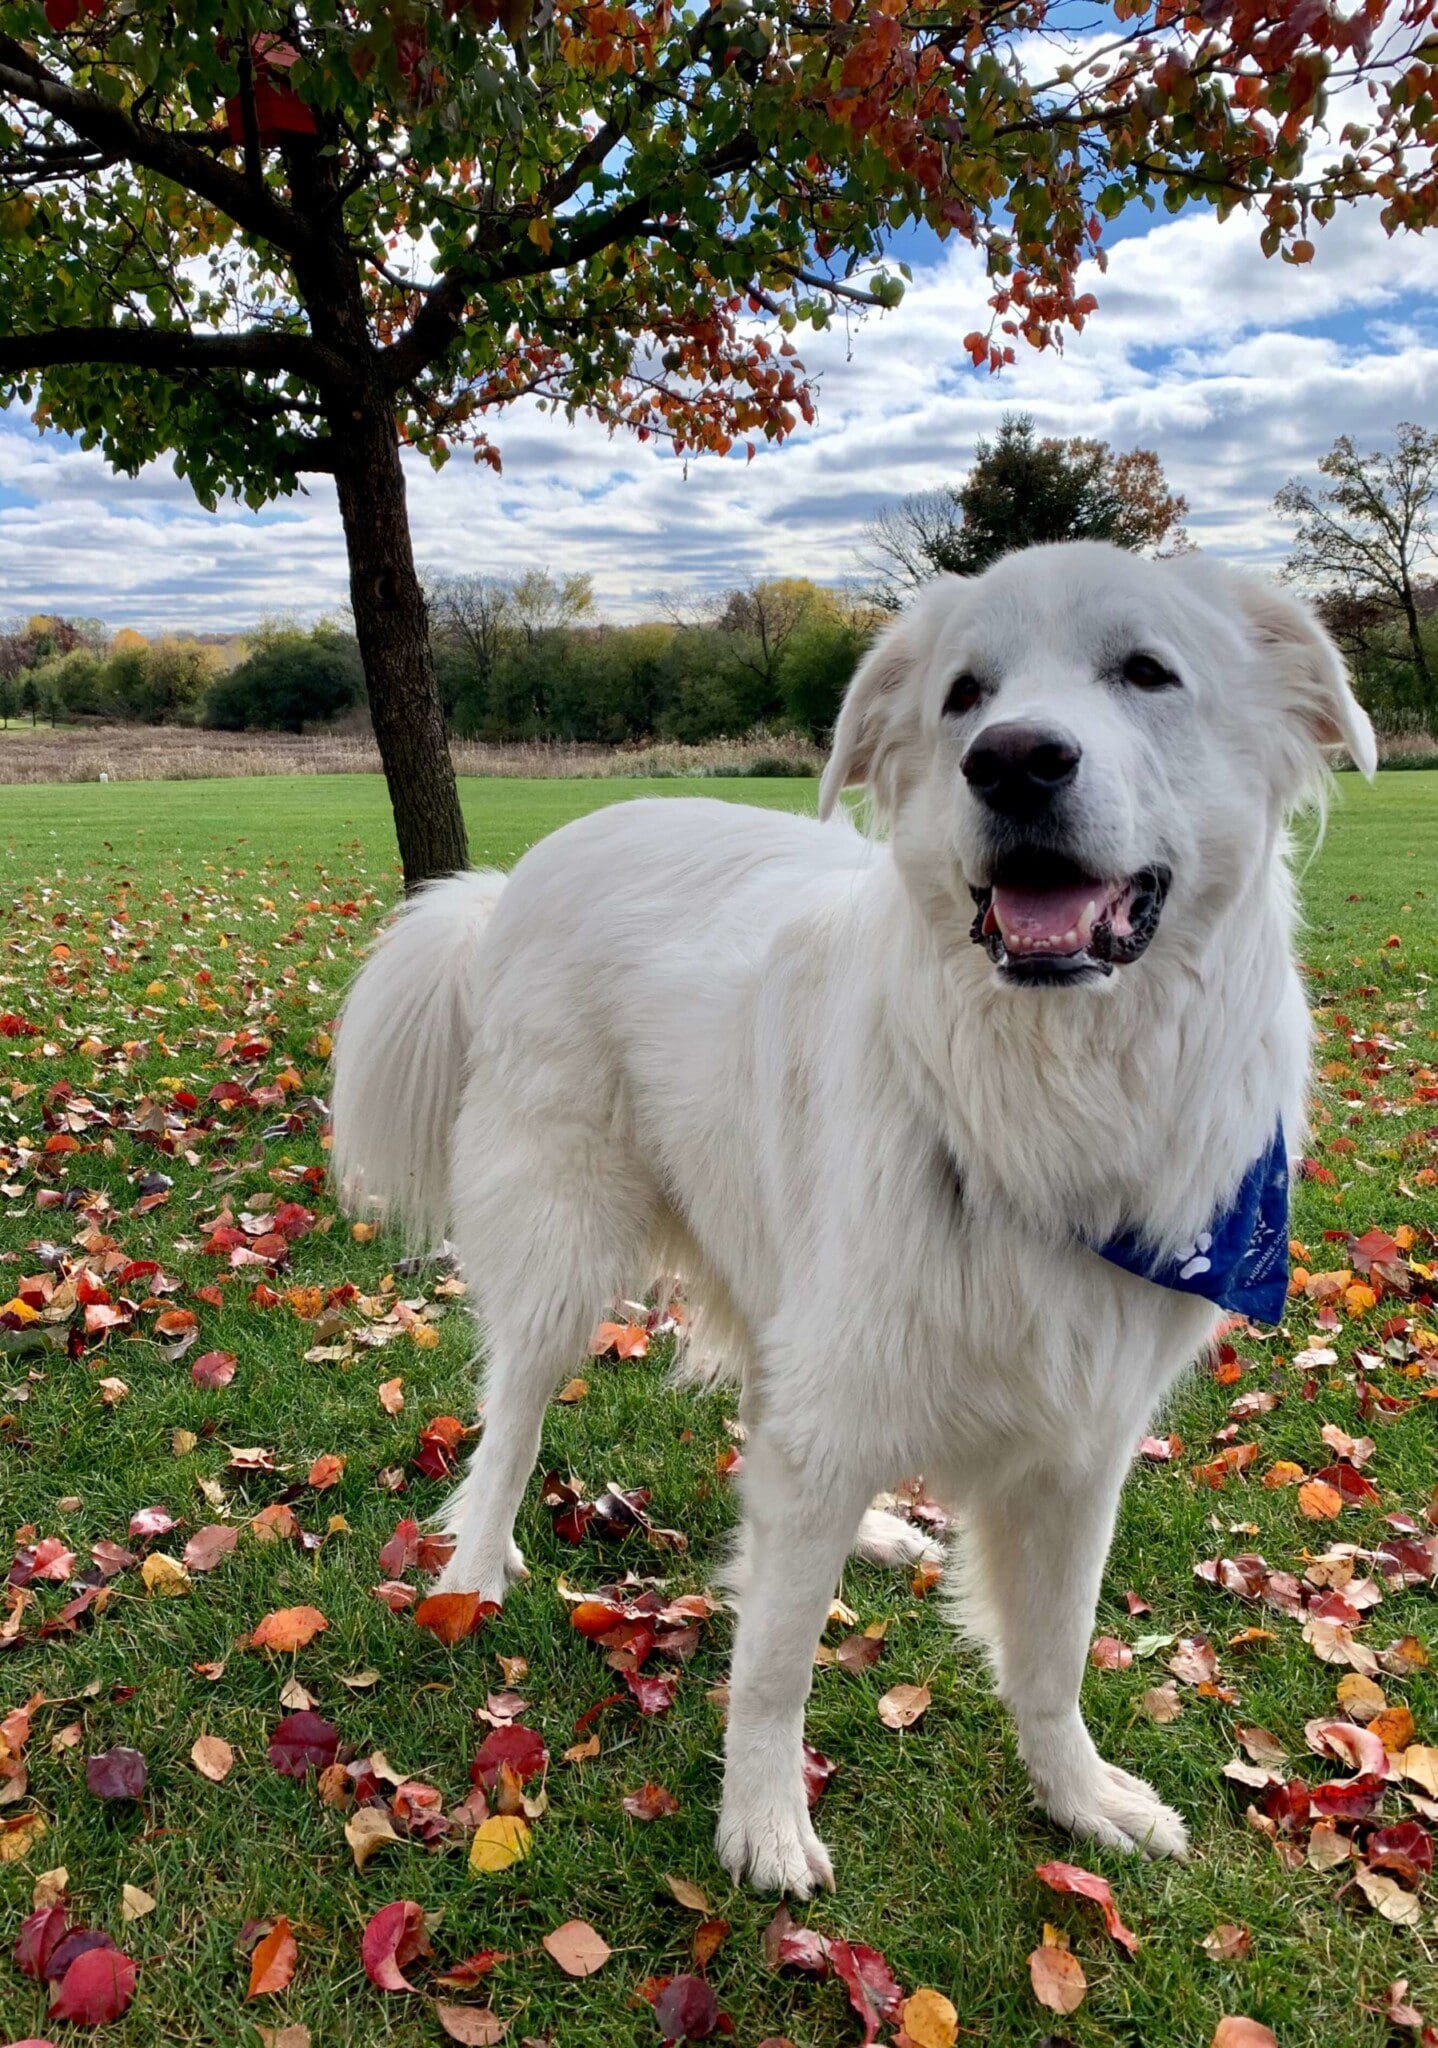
(1241, 1261)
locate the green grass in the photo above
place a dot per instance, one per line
(154, 921)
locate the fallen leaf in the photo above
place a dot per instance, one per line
(686, 2010)
(1070, 1877)
(393, 1938)
(577, 1948)
(208, 1546)
(1058, 1979)
(903, 1705)
(1227, 1943)
(303, 1742)
(212, 1757)
(450, 1617)
(475, 2026)
(117, 1773)
(288, 1629)
(272, 1961)
(651, 1802)
(135, 1903)
(163, 1577)
(930, 2020)
(368, 1829)
(96, 1989)
(1243, 2033)
(498, 1842)
(1388, 1897)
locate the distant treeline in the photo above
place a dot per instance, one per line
(517, 660)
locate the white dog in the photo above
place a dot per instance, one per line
(917, 1159)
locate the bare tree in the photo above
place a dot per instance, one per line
(473, 613)
(1365, 539)
(905, 543)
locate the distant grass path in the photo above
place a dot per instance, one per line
(169, 938)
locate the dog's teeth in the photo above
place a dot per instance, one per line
(1070, 937)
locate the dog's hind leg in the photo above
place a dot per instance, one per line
(548, 1231)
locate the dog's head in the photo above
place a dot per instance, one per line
(1081, 736)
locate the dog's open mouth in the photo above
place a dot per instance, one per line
(1044, 920)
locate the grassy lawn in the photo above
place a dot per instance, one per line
(168, 939)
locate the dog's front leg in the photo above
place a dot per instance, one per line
(797, 1534)
(1034, 1569)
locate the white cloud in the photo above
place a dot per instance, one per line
(1237, 370)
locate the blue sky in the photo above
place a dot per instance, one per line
(1239, 371)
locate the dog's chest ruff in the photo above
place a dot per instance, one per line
(1240, 1262)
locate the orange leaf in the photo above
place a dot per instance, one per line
(288, 1628)
(272, 1964)
(453, 1616)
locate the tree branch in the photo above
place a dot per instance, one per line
(110, 128)
(171, 351)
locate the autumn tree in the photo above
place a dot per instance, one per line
(1366, 541)
(279, 241)
(1023, 490)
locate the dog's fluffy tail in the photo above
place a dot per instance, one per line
(399, 1058)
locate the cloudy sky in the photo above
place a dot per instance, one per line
(1237, 370)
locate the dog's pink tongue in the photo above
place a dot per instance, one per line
(1046, 920)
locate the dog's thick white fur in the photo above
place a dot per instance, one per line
(764, 1051)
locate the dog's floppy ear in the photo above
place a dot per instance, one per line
(865, 716)
(1310, 671)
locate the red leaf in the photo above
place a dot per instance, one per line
(116, 1774)
(873, 1990)
(818, 1770)
(95, 1989)
(686, 2010)
(519, 1747)
(651, 1695)
(1068, 1877)
(303, 1742)
(394, 1937)
(39, 1937)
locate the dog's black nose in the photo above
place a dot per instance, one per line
(1019, 769)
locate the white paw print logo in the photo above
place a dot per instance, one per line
(1194, 1260)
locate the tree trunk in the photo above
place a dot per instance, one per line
(1415, 641)
(394, 645)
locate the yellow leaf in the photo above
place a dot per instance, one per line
(1419, 1766)
(538, 232)
(134, 1903)
(498, 1842)
(163, 1576)
(930, 2021)
(19, 1836)
(362, 1233)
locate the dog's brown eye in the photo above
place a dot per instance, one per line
(964, 693)
(1147, 674)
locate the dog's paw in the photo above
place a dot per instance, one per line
(772, 1851)
(887, 1539)
(1120, 1811)
(470, 1571)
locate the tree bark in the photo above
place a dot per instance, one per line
(393, 634)
(1415, 641)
